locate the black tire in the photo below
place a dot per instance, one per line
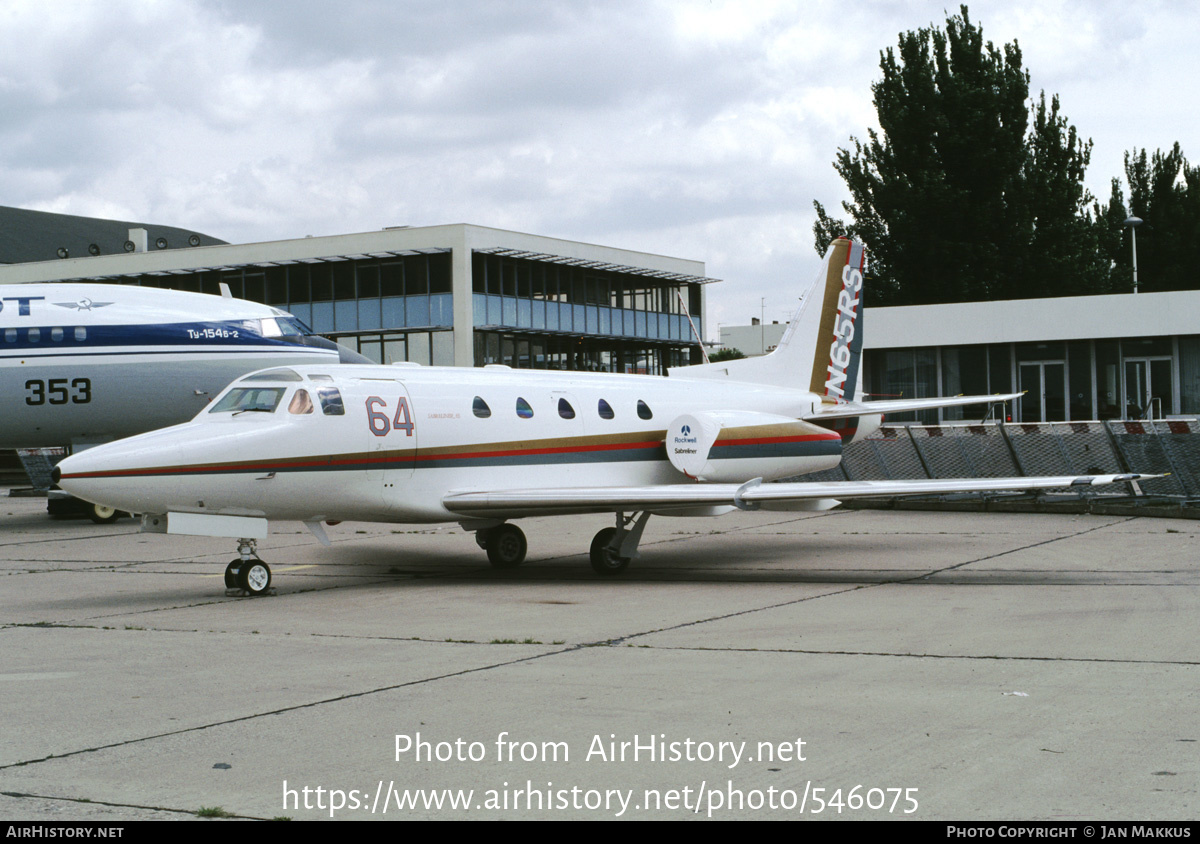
(231, 574)
(604, 559)
(255, 577)
(506, 546)
(102, 515)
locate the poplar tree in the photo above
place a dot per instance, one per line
(958, 197)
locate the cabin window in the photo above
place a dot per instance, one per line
(523, 409)
(301, 404)
(480, 408)
(605, 410)
(81, 334)
(644, 410)
(565, 410)
(35, 335)
(258, 399)
(331, 401)
(56, 334)
(10, 335)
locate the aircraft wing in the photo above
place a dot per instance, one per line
(844, 410)
(516, 503)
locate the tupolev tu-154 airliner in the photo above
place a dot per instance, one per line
(483, 447)
(83, 364)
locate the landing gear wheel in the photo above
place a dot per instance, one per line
(231, 574)
(604, 559)
(102, 515)
(254, 577)
(506, 546)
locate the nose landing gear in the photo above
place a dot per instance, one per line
(248, 576)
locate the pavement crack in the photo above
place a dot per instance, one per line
(910, 655)
(1038, 544)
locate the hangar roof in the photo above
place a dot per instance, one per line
(27, 236)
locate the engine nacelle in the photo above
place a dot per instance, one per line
(734, 446)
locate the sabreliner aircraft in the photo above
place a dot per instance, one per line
(415, 444)
(83, 364)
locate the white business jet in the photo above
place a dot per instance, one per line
(481, 447)
(83, 364)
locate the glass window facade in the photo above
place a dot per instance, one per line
(580, 318)
(1130, 378)
(525, 313)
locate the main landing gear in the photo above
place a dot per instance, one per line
(505, 545)
(248, 575)
(613, 548)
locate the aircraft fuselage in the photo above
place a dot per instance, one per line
(388, 443)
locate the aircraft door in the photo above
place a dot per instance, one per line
(391, 435)
(570, 422)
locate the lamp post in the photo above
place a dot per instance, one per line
(762, 330)
(1133, 223)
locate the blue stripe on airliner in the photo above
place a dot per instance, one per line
(290, 348)
(191, 334)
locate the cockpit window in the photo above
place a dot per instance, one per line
(258, 399)
(301, 403)
(331, 401)
(274, 375)
(270, 328)
(292, 325)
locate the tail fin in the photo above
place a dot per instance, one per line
(823, 341)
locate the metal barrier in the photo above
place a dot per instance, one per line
(896, 452)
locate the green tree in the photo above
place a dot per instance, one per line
(725, 354)
(958, 198)
(1164, 191)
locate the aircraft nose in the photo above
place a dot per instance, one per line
(119, 474)
(347, 356)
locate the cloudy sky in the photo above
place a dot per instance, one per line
(702, 129)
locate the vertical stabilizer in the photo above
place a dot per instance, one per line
(821, 350)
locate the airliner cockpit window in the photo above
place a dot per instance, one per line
(292, 325)
(301, 403)
(331, 401)
(274, 375)
(254, 399)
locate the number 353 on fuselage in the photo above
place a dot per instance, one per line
(483, 447)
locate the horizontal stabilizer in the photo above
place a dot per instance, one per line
(846, 410)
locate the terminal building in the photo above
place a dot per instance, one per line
(458, 295)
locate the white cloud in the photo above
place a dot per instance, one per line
(681, 127)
